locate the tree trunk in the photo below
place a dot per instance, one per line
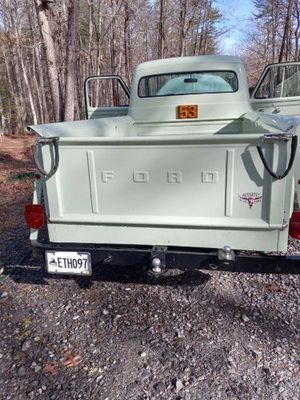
(127, 44)
(41, 84)
(284, 42)
(72, 46)
(42, 8)
(26, 80)
(182, 33)
(297, 32)
(161, 30)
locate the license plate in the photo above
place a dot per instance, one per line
(68, 262)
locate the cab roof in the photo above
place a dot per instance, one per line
(213, 62)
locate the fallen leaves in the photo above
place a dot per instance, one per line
(273, 288)
(21, 176)
(15, 161)
(24, 335)
(51, 368)
(68, 361)
(26, 323)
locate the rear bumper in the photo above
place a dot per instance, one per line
(174, 257)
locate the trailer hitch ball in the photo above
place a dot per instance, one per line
(226, 254)
(156, 265)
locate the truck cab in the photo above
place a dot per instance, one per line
(276, 91)
(160, 86)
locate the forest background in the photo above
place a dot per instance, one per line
(49, 47)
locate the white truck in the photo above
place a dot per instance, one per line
(182, 171)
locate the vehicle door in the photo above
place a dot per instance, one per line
(278, 89)
(105, 96)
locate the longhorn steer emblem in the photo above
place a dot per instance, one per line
(250, 198)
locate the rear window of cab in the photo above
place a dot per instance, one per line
(184, 83)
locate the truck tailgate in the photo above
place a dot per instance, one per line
(193, 191)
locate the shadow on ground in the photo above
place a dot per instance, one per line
(35, 274)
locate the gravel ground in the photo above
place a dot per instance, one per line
(190, 336)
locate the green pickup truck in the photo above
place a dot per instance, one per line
(184, 170)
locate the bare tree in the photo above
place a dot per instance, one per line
(48, 48)
(161, 30)
(71, 64)
(43, 14)
(285, 43)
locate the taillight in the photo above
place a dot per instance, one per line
(294, 230)
(35, 216)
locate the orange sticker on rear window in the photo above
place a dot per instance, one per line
(187, 112)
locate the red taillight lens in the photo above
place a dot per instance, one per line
(294, 230)
(35, 216)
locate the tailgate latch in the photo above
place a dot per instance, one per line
(36, 150)
(279, 138)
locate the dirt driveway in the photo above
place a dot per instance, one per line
(192, 336)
